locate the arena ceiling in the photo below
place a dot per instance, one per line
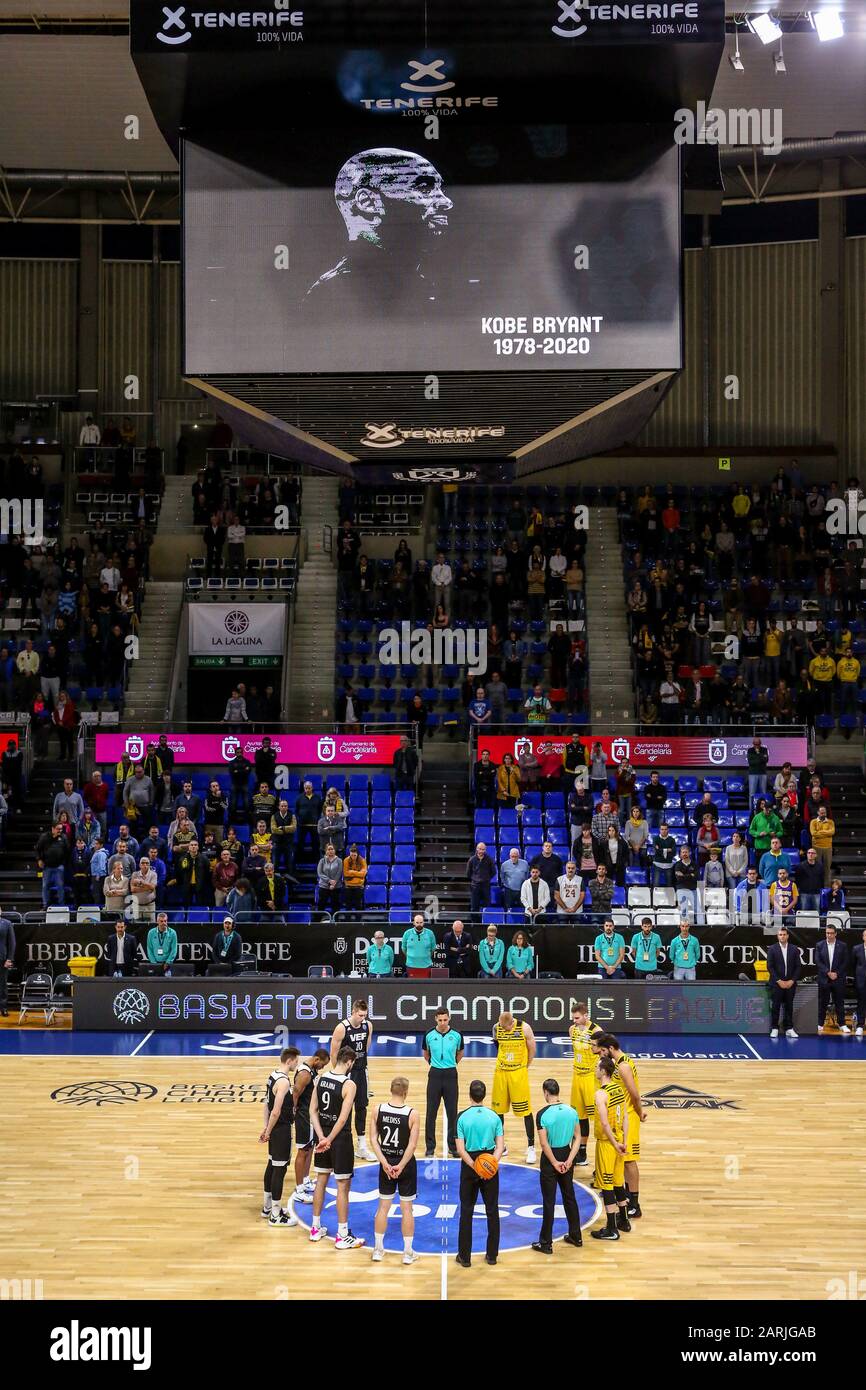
(64, 96)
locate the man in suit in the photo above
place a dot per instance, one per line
(7, 960)
(831, 958)
(785, 964)
(859, 954)
(121, 950)
(214, 536)
(270, 890)
(458, 945)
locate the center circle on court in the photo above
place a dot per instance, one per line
(437, 1208)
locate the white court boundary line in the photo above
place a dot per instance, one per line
(147, 1037)
(746, 1043)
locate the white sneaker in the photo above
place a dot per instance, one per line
(364, 1151)
(378, 1255)
(409, 1257)
(774, 1032)
(504, 1152)
(844, 1028)
(821, 1028)
(530, 1154)
(348, 1241)
(317, 1232)
(791, 1034)
(302, 1194)
(282, 1218)
(859, 1032)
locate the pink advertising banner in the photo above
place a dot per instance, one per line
(293, 750)
(656, 751)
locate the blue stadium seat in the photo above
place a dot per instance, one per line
(404, 834)
(400, 895)
(376, 895)
(404, 854)
(714, 784)
(404, 799)
(376, 873)
(401, 873)
(493, 916)
(381, 782)
(688, 784)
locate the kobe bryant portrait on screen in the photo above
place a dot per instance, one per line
(395, 211)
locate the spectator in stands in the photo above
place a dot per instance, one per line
(264, 805)
(12, 772)
(380, 956)
(771, 861)
(121, 950)
(161, 946)
(535, 895)
(458, 945)
(261, 839)
(684, 953)
(783, 894)
(834, 897)
(283, 827)
(164, 797)
(138, 794)
(609, 952)
(598, 768)
(809, 877)
(418, 945)
(537, 706)
(484, 779)
(254, 864)
(214, 536)
(308, 809)
(831, 958)
(520, 957)
(507, 782)
(116, 888)
(224, 876)
(491, 955)
(625, 789)
(265, 760)
(181, 830)
(528, 766)
(664, 852)
(236, 712)
(549, 865)
(513, 873)
(706, 838)
(685, 876)
(98, 867)
(480, 872)
(64, 720)
(52, 856)
(736, 861)
(234, 846)
(569, 894)
(606, 814)
(670, 697)
(215, 809)
(236, 535)
(822, 830)
(240, 901)
(271, 890)
(192, 875)
(636, 836)
(142, 889)
(615, 850)
(227, 946)
(329, 877)
(405, 765)
(764, 825)
(655, 796)
(751, 899)
(417, 716)
(442, 579)
(331, 830)
(70, 801)
(791, 824)
(601, 891)
(354, 878)
(645, 947)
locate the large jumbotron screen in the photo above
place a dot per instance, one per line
(352, 253)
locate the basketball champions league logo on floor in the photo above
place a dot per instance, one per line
(437, 1209)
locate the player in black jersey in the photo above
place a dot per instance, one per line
(305, 1080)
(277, 1134)
(356, 1032)
(330, 1116)
(394, 1129)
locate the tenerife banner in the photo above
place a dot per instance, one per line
(220, 629)
(654, 750)
(292, 750)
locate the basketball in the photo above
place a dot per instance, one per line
(486, 1166)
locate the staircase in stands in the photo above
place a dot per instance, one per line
(20, 889)
(443, 835)
(311, 659)
(611, 698)
(149, 685)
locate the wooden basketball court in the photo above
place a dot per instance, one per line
(159, 1197)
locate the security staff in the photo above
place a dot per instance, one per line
(443, 1051)
(559, 1135)
(479, 1131)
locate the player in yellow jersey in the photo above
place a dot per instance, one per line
(607, 1045)
(515, 1042)
(583, 1083)
(611, 1138)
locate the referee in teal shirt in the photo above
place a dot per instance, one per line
(443, 1050)
(479, 1131)
(559, 1135)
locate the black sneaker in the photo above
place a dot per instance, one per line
(622, 1221)
(605, 1234)
(581, 1162)
(465, 1263)
(573, 1240)
(491, 1259)
(542, 1249)
(429, 1153)
(633, 1210)
(452, 1153)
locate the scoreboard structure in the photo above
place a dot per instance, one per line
(426, 240)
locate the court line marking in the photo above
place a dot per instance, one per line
(140, 1045)
(443, 1268)
(747, 1044)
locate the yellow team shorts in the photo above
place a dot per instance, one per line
(632, 1142)
(608, 1166)
(583, 1089)
(511, 1091)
